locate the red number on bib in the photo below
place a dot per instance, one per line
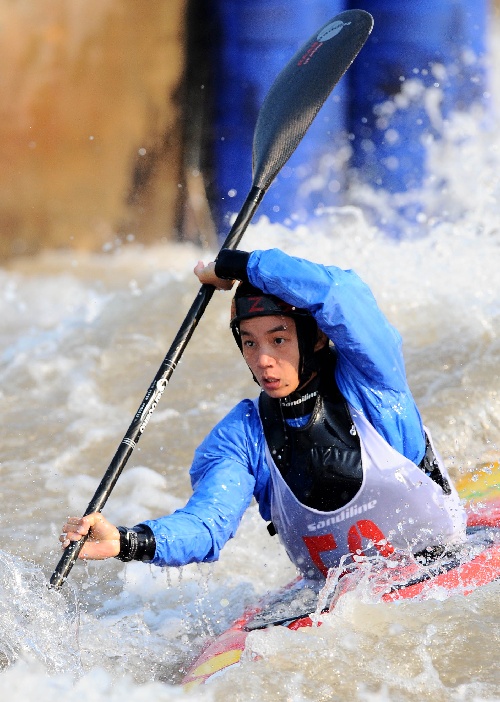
(317, 544)
(366, 528)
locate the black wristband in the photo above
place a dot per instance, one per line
(136, 544)
(232, 265)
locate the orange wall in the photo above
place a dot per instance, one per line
(91, 123)
(89, 128)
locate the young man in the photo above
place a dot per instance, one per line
(333, 450)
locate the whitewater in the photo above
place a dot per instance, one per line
(82, 337)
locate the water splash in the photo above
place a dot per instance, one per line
(36, 621)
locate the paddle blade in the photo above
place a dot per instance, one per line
(301, 88)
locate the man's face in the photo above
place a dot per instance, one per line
(270, 348)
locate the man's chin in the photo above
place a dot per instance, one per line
(276, 393)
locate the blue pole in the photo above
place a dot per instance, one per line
(256, 39)
(416, 45)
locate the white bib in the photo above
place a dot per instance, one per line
(397, 507)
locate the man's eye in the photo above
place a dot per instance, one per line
(279, 340)
(248, 344)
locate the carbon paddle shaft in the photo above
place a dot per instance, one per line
(155, 391)
(293, 101)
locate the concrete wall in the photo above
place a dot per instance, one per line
(89, 132)
(92, 124)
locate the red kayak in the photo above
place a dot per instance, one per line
(301, 603)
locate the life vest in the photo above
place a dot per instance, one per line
(320, 461)
(396, 505)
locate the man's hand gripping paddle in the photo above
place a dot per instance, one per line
(293, 101)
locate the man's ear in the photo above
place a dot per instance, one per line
(321, 341)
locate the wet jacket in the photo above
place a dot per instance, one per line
(229, 467)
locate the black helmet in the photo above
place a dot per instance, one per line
(249, 302)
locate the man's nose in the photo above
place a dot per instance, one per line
(265, 359)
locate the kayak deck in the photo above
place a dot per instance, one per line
(460, 571)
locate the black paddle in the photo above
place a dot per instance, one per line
(289, 108)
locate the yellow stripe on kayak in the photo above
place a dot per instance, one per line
(483, 484)
(213, 665)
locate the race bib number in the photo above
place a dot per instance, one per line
(362, 529)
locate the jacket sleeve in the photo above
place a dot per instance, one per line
(370, 368)
(227, 470)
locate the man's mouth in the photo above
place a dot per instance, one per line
(271, 383)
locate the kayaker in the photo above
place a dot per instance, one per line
(333, 450)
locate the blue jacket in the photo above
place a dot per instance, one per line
(229, 467)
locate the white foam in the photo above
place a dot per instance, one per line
(82, 337)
